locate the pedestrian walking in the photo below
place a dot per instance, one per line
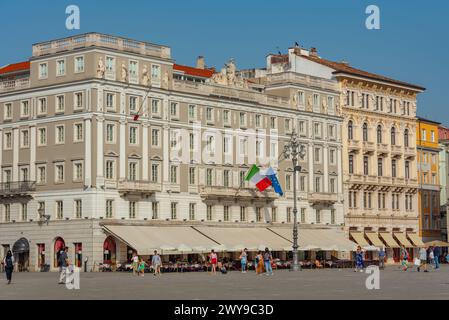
(8, 262)
(359, 264)
(244, 259)
(156, 262)
(259, 263)
(267, 259)
(135, 263)
(436, 256)
(213, 261)
(63, 264)
(423, 259)
(141, 268)
(382, 258)
(404, 258)
(431, 257)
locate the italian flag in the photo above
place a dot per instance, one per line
(262, 182)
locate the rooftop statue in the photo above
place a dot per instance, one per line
(228, 76)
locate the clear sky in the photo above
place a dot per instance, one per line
(412, 44)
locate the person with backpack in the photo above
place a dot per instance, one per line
(267, 258)
(9, 266)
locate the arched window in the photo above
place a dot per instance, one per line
(406, 138)
(379, 134)
(350, 130)
(393, 136)
(365, 132)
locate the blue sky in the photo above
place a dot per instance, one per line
(412, 44)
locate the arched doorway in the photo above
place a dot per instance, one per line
(109, 251)
(59, 246)
(21, 251)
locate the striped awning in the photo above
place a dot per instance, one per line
(375, 240)
(403, 239)
(360, 239)
(388, 238)
(415, 239)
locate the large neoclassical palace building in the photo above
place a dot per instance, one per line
(108, 147)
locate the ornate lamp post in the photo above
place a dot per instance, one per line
(295, 150)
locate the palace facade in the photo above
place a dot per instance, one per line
(102, 136)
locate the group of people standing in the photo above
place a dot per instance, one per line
(138, 264)
(262, 262)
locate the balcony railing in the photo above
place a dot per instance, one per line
(396, 150)
(409, 151)
(354, 145)
(235, 193)
(322, 198)
(125, 187)
(19, 188)
(382, 148)
(292, 77)
(100, 40)
(11, 85)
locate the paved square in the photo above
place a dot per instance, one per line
(308, 284)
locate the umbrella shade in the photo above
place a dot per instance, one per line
(437, 243)
(219, 248)
(184, 248)
(200, 249)
(310, 248)
(370, 248)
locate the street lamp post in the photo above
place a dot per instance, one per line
(295, 150)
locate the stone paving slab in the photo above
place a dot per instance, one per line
(283, 285)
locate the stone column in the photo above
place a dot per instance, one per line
(15, 157)
(100, 151)
(145, 154)
(88, 152)
(122, 173)
(33, 142)
(326, 168)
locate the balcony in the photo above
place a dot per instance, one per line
(322, 198)
(396, 151)
(297, 78)
(143, 188)
(370, 179)
(382, 149)
(12, 85)
(353, 145)
(398, 181)
(227, 193)
(368, 147)
(410, 152)
(17, 189)
(384, 180)
(355, 178)
(100, 40)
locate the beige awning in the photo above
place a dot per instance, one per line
(146, 239)
(237, 238)
(360, 239)
(416, 240)
(375, 240)
(318, 239)
(403, 239)
(388, 238)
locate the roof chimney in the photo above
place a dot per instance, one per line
(313, 52)
(200, 62)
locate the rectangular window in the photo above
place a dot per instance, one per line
(332, 216)
(301, 98)
(192, 176)
(258, 120)
(7, 216)
(155, 210)
(25, 108)
(78, 135)
(209, 213)
(274, 214)
(25, 139)
(225, 178)
(289, 215)
(78, 171)
(209, 114)
(59, 176)
(192, 112)
(42, 106)
(303, 215)
(60, 134)
(242, 214)
(174, 210)
(78, 209)
(133, 71)
(192, 208)
(155, 107)
(133, 135)
(110, 65)
(318, 216)
(42, 137)
(60, 67)
(154, 173)
(226, 117)
(24, 212)
(59, 210)
(110, 133)
(316, 103)
(174, 110)
(132, 105)
(8, 111)
(132, 171)
(174, 174)
(79, 64)
(225, 213)
(60, 103)
(273, 122)
(41, 174)
(155, 72)
(132, 209)
(109, 209)
(155, 137)
(8, 140)
(317, 184)
(110, 101)
(43, 70)
(110, 169)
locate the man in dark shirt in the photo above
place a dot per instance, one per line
(63, 264)
(436, 255)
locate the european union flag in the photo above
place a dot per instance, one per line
(271, 174)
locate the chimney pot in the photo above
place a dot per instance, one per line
(200, 64)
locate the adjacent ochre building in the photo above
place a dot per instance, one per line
(108, 146)
(379, 152)
(443, 139)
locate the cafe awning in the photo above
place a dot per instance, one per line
(360, 239)
(403, 239)
(416, 240)
(375, 240)
(318, 239)
(146, 239)
(237, 238)
(388, 238)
